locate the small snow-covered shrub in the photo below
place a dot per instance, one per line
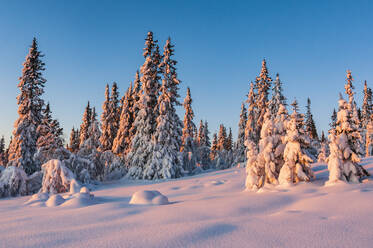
(34, 182)
(80, 166)
(114, 167)
(13, 182)
(56, 178)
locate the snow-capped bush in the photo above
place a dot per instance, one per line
(34, 182)
(56, 177)
(13, 182)
(80, 167)
(254, 171)
(113, 165)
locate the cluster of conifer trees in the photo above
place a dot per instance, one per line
(141, 135)
(279, 148)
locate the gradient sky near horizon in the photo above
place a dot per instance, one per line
(219, 46)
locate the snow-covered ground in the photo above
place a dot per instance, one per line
(208, 210)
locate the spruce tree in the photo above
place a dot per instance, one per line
(135, 97)
(344, 150)
(369, 138)
(122, 141)
(50, 137)
(109, 118)
(86, 122)
(31, 85)
(310, 123)
(74, 140)
(297, 163)
(262, 85)
(145, 122)
(367, 105)
(188, 147)
(239, 150)
(214, 147)
(189, 127)
(250, 129)
(333, 122)
(94, 133)
(3, 158)
(200, 135)
(277, 96)
(168, 69)
(222, 138)
(266, 156)
(165, 162)
(229, 141)
(207, 134)
(355, 120)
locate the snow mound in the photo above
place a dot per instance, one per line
(74, 187)
(54, 201)
(37, 199)
(84, 190)
(57, 177)
(153, 197)
(79, 200)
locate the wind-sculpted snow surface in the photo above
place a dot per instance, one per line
(206, 210)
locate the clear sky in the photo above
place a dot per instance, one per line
(219, 46)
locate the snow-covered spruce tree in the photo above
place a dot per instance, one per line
(280, 123)
(311, 131)
(270, 158)
(74, 141)
(369, 138)
(109, 118)
(297, 163)
(229, 141)
(266, 156)
(255, 173)
(90, 151)
(207, 133)
(310, 123)
(31, 85)
(145, 122)
(86, 122)
(250, 129)
(333, 122)
(239, 148)
(122, 141)
(262, 85)
(277, 96)
(50, 138)
(188, 147)
(92, 143)
(323, 154)
(214, 147)
(344, 151)
(355, 120)
(165, 161)
(135, 96)
(367, 106)
(222, 137)
(3, 157)
(223, 157)
(204, 144)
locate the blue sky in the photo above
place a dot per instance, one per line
(219, 47)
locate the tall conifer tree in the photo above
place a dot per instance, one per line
(31, 85)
